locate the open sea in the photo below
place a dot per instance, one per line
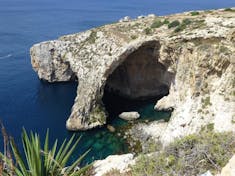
(27, 102)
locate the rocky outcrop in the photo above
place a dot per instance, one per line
(147, 133)
(121, 163)
(129, 115)
(193, 62)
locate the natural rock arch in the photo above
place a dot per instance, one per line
(193, 57)
(136, 74)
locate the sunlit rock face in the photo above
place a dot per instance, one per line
(192, 64)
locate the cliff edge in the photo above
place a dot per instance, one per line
(188, 58)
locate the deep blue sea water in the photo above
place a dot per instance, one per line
(26, 101)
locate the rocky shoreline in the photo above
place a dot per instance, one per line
(195, 63)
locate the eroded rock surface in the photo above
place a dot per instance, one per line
(193, 62)
(121, 163)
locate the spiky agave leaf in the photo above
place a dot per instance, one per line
(44, 162)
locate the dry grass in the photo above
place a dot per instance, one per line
(115, 172)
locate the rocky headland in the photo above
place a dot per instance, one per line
(187, 59)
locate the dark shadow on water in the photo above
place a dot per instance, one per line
(116, 104)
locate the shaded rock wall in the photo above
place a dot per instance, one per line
(141, 76)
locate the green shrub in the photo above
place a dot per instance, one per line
(191, 155)
(180, 28)
(159, 23)
(41, 161)
(206, 102)
(229, 10)
(183, 25)
(198, 24)
(147, 31)
(224, 49)
(173, 24)
(166, 21)
(92, 38)
(186, 21)
(208, 127)
(133, 37)
(156, 24)
(195, 13)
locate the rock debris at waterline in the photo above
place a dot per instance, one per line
(190, 62)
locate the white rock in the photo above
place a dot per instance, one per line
(140, 17)
(125, 19)
(117, 162)
(208, 173)
(151, 15)
(129, 115)
(111, 128)
(167, 103)
(229, 169)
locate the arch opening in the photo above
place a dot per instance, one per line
(139, 80)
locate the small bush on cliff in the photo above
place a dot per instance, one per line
(147, 31)
(159, 23)
(173, 24)
(186, 21)
(195, 13)
(156, 24)
(191, 155)
(229, 10)
(37, 160)
(183, 25)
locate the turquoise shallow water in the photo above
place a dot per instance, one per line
(27, 102)
(102, 141)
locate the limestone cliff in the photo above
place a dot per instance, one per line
(190, 60)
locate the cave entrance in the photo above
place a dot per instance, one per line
(139, 80)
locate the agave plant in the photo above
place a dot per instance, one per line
(42, 161)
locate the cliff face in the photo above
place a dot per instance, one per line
(193, 62)
(203, 89)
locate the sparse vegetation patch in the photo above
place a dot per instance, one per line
(206, 102)
(133, 37)
(147, 31)
(183, 25)
(159, 23)
(156, 24)
(195, 13)
(192, 155)
(92, 37)
(173, 24)
(229, 10)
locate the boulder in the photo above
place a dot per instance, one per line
(117, 162)
(140, 17)
(208, 173)
(111, 128)
(125, 19)
(167, 103)
(129, 115)
(151, 15)
(229, 169)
